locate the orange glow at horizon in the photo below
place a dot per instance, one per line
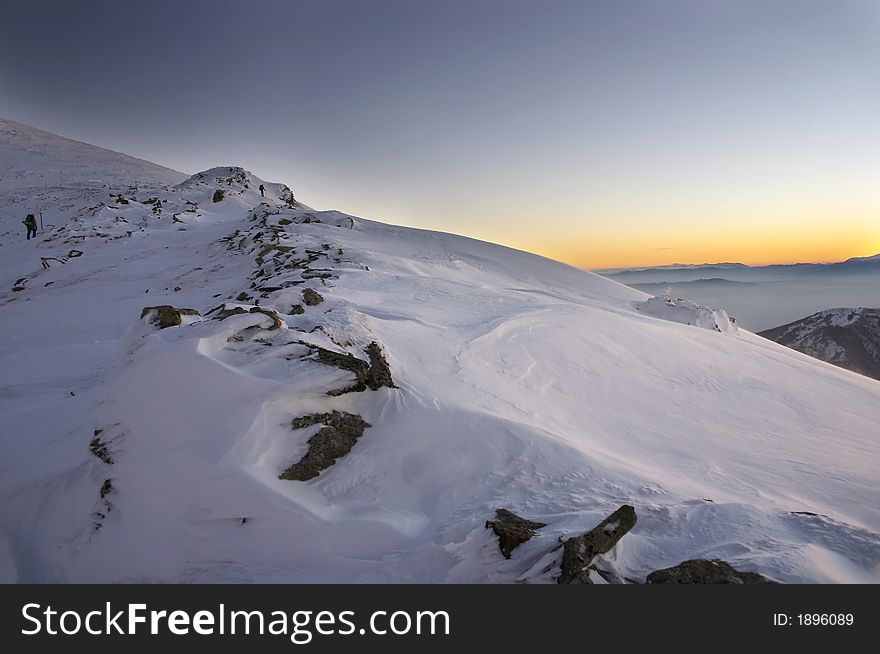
(754, 245)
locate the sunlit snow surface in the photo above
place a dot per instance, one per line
(522, 383)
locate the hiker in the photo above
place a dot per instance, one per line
(262, 190)
(31, 223)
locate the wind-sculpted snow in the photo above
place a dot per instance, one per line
(687, 312)
(513, 381)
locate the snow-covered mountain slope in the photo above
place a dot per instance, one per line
(33, 158)
(849, 338)
(43, 172)
(134, 453)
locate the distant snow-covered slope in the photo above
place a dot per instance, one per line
(849, 338)
(464, 376)
(31, 157)
(45, 173)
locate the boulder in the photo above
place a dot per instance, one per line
(511, 530)
(705, 571)
(373, 375)
(277, 323)
(167, 316)
(234, 311)
(579, 551)
(335, 439)
(218, 195)
(379, 373)
(311, 297)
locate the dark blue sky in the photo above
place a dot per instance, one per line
(602, 133)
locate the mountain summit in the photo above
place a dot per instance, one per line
(203, 387)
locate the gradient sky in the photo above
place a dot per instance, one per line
(604, 134)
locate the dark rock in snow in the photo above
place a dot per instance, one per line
(296, 309)
(379, 374)
(335, 439)
(99, 448)
(277, 323)
(316, 274)
(345, 361)
(218, 195)
(373, 375)
(167, 316)
(579, 552)
(704, 571)
(234, 311)
(511, 530)
(311, 297)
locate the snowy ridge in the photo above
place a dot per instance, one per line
(849, 338)
(31, 158)
(147, 454)
(688, 313)
(44, 172)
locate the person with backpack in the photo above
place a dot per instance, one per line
(31, 223)
(262, 191)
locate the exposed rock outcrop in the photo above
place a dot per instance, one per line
(167, 316)
(705, 571)
(311, 297)
(335, 439)
(277, 322)
(233, 311)
(99, 448)
(512, 530)
(379, 373)
(579, 551)
(373, 375)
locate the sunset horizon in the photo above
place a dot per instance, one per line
(592, 133)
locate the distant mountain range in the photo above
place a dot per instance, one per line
(848, 338)
(655, 288)
(763, 297)
(689, 272)
(675, 266)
